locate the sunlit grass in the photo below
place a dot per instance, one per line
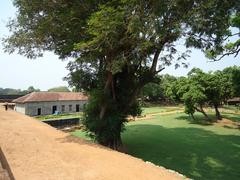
(195, 150)
(199, 151)
(160, 109)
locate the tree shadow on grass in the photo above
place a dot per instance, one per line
(194, 152)
(233, 117)
(199, 119)
(82, 142)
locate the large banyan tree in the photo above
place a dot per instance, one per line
(118, 46)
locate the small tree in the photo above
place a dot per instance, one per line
(194, 99)
(205, 89)
(217, 90)
(192, 93)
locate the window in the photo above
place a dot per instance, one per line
(70, 107)
(39, 111)
(63, 108)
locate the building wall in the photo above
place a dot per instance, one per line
(31, 109)
(20, 108)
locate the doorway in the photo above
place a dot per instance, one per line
(77, 108)
(39, 111)
(54, 109)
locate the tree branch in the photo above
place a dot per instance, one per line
(231, 36)
(236, 52)
(155, 59)
(158, 71)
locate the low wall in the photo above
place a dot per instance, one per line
(5, 165)
(60, 123)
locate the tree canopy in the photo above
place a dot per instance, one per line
(59, 89)
(233, 75)
(200, 89)
(119, 46)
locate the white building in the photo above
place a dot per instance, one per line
(45, 103)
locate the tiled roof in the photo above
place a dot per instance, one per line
(51, 96)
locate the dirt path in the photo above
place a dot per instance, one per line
(224, 122)
(37, 151)
(151, 115)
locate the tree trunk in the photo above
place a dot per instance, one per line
(203, 112)
(192, 116)
(115, 142)
(218, 115)
(206, 116)
(106, 90)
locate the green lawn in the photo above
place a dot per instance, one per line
(195, 150)
(60, 116)
(81, 134)
(175, 142)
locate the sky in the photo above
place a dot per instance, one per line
(18, 72)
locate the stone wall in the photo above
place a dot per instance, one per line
(61, 123)
(20, 108)
(5, 171)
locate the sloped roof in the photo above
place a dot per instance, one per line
(51, 96)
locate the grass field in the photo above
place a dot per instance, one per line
(176, 142)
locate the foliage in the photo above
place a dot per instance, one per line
(200, 89)
(82, 77)
(7, 91)
(194, 99)
(59, 89)
(125, 43)
(153, 91)
(114, 122)
(167, 84)
(10, 91)
(233, 75)
(232, 41)
(30, 90)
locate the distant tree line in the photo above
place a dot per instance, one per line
(11, 91)
(30, 89)
(197, 90)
